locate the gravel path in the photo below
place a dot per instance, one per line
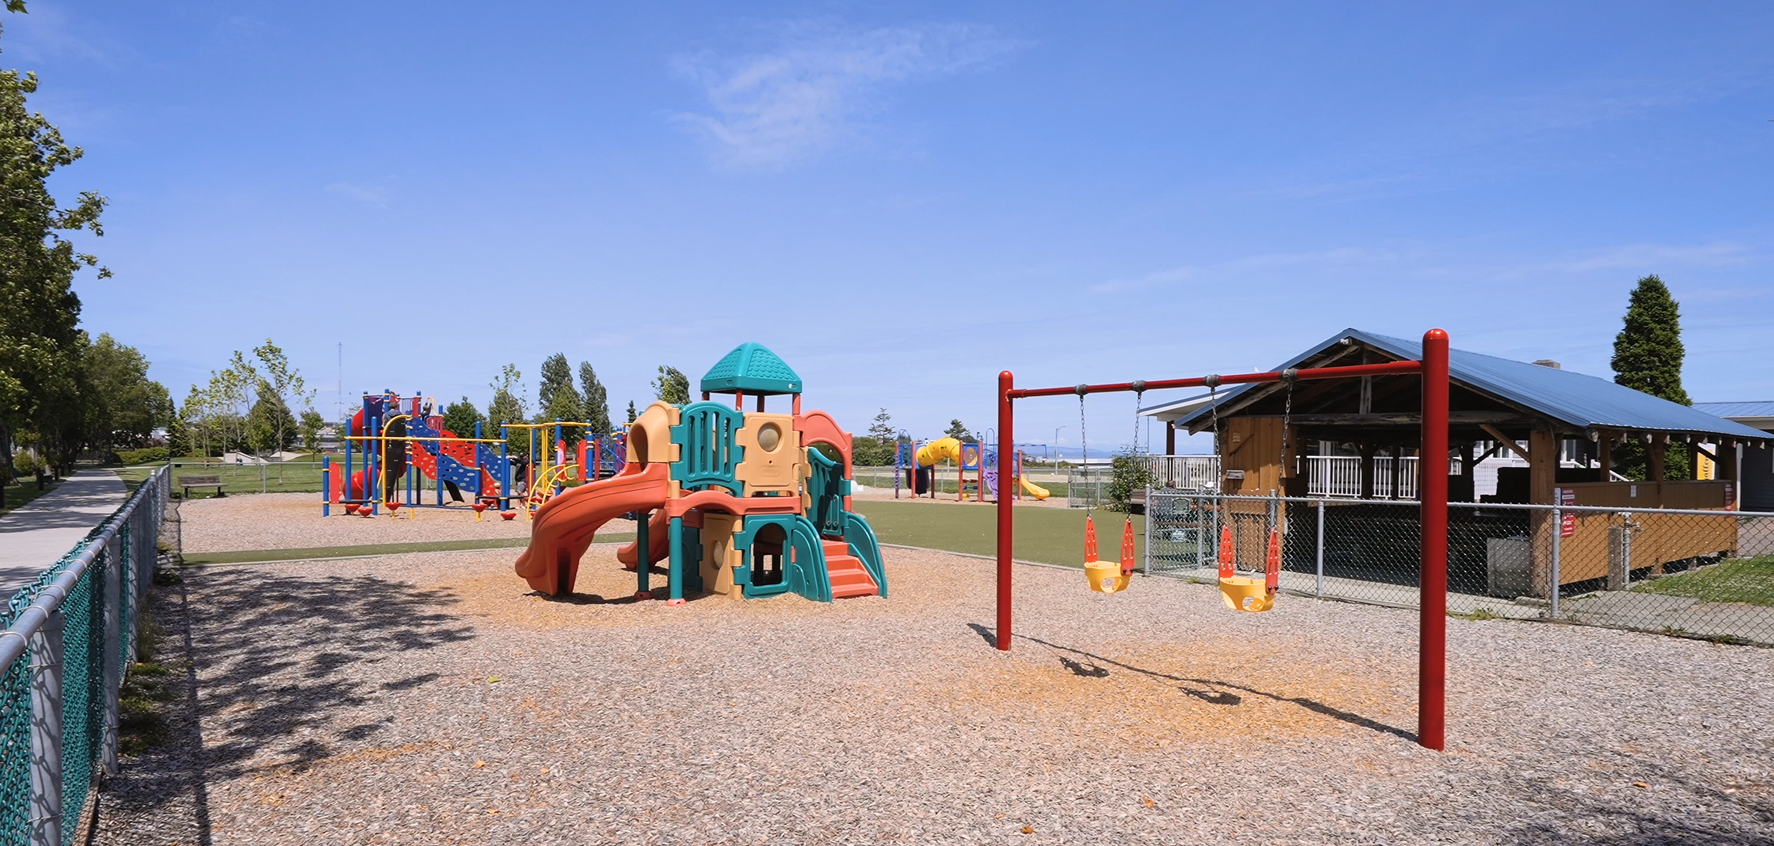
(293, 521)
(429, 699)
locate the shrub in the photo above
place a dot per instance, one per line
(1132, 473)
(151, 455)
(24, 464)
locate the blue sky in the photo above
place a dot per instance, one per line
(903, 200)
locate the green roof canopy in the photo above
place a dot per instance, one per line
(753, 369)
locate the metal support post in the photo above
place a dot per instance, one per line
(46, 731)
(45, 649)
(1557, 531)
(326, 486)
(113, 670)
(1006, 524)
(1320, 562)
(1146, 553)
(1432, 664)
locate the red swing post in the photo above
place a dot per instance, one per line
(1432, 578)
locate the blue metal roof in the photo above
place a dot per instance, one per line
(1738, 410)
(1579, 401)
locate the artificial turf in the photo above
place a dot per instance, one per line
(1045, 535)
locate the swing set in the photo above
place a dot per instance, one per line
(1246, 594)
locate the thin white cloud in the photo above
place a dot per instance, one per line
(361, 193)
(47, 33)
(786, 106)
(1648, 257)
(1138, 283)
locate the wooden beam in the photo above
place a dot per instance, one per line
(1400, 418)
(1508, 442)
(1605, 442)
(1655, 455)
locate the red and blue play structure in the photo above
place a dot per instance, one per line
(393, 442)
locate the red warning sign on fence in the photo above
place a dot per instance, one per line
(1567, 523)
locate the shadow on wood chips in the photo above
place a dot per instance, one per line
(1211, 691)
(250, 618)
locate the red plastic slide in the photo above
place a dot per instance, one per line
(566, 524)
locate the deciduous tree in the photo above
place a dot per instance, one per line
(671, 385)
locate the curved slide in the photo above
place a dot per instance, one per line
(565, 526)
(1033, 489)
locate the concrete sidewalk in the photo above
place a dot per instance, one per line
(34, 537)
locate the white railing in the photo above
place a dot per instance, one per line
(1337, 476)
(1340, 476)
(1186, 472)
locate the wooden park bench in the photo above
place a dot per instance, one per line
(189, 482)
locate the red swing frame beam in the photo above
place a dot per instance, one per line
(1433, 560)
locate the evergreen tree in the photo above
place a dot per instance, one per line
(595, 398)
(671, 386)
(958, 431)
(1648, 357)
(876, 450)
(631, 414)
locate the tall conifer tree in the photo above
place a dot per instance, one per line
(1648, 357)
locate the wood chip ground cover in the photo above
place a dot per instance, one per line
(428, 698)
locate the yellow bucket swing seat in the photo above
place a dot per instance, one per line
(1243, 593)
(1108, 576)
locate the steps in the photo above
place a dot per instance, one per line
(848, 576)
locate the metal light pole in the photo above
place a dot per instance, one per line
(1056, 430)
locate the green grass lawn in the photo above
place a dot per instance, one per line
(14, 496)
(1047, 535)
(236, 478)
(1749, 580)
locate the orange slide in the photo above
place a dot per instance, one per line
(564, 527)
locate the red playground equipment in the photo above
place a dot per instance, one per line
(1433, 559)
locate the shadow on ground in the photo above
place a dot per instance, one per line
(1211, 691)
(267, 659)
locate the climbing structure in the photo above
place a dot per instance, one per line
(739, 503)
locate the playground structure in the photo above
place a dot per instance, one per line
(395, 443)
(1432, 620)
(915, 466)
(740, 503)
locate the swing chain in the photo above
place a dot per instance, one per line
(1288, 378)
(1139, 392)
(1084, 451)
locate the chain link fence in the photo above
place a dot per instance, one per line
(1707, 574)
(70, 638)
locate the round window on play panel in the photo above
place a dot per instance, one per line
(769, 437)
